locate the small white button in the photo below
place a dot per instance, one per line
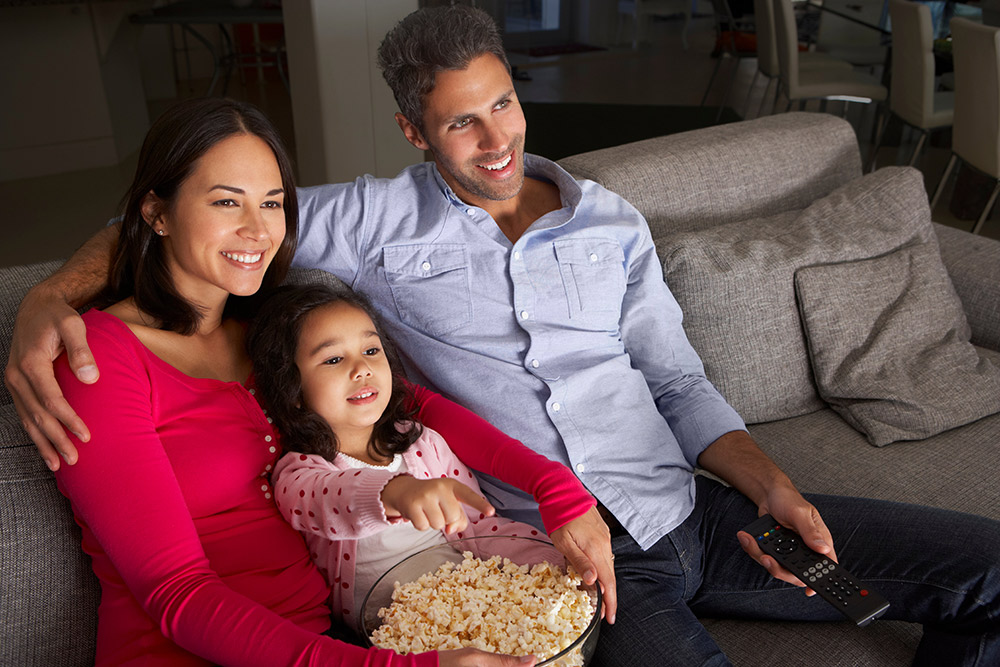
(517, 255)
(272, 450)
(270, 421)
(264, 487)
(268, 467)
(267, 495)
(524, 314)
(470, 211)
(426, 266)
(251, 392)
(579, 468)
(534, 363)
(556, 407)
(593, 257)
(267, 438)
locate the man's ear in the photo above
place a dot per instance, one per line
(411, 132)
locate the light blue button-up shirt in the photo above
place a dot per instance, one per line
(568, 339)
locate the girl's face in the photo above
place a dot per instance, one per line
(345, 374)
(226, 222)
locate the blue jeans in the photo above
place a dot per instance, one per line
(937, 568)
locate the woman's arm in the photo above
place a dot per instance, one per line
(124, 488)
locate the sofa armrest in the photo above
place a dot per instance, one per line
(974, 265)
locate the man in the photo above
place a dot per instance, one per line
(538, 301)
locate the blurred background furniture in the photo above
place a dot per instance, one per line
(767, 56)
(976, 133)
(800, 84)
(853, 30)
(640, 12)
(734, 38)
(913, 94)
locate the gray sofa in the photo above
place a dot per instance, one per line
(683, 184)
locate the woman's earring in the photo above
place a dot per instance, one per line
(160, 232)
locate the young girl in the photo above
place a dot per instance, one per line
(362, 479)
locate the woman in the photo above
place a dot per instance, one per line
(172, 490)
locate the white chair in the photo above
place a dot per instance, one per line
(976, 133)
(848, 40)
(767, 55)
(801, 84)
(912, 95)
(640, 12)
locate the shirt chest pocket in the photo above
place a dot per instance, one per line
(593, 275)
(430, 285)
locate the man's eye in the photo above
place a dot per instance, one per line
(463, 123)
(333, 360)
(503, 105)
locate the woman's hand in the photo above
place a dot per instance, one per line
(432, 503)
(470, 657)
(586, 543)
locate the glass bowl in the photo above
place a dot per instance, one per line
(520, 550)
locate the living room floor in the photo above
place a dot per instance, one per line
(51, 216)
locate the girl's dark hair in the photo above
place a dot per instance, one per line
(272, 342)
(175, 142)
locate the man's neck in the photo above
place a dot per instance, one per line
(515, 215)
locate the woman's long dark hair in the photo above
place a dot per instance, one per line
(272, 343)
(173, 145)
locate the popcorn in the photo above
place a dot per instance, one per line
(494, 605)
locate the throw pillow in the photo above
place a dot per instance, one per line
(735, 284)
(890, 347)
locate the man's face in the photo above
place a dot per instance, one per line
(474, 126)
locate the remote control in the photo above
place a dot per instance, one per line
(832, 582)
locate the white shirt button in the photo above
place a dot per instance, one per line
(272, 449)
(524, 314)
(517, 255)
(593, 257)
(579, 468)
(534, 363)
(556, 407)
(267, 438)
(426, 266)
(470, 211)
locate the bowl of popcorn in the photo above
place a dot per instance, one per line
(511, 595)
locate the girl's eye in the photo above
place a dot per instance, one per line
(372, 351)
(333, 360)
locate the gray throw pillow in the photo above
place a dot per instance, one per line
(735, 284)
(889, 345)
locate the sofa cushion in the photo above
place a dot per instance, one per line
(735, 284)
(16, 281)
(889, 345)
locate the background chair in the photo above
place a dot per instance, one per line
(734, 38)
(640, 12)
(801, 84)
(843, 39)
(976, 134)
(767, 55)
(912, 94)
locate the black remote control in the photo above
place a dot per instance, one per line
(830, 581)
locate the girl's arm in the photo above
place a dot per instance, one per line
(316, 496)
(125, 490)
(477, 443)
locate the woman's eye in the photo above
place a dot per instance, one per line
(271, 204)
(333, 360)
(226, 202)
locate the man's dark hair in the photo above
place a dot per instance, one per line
(429, 41)
(172, 148)
(272, 342)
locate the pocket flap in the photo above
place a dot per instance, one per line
(424, 260)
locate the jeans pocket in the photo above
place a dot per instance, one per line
(593, 275)
(430, 285)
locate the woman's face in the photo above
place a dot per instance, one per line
(226, 222)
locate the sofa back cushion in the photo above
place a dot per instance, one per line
(699, 179)
(735, 284)
(15, 282)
